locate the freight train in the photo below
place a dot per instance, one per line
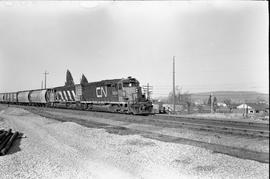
(116, 95)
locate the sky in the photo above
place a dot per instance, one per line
(218, 46)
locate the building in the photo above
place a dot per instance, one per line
(254, 108)
(220, 104)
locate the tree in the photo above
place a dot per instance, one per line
(177, 96)
(209, 100)
(69, 79)
(260, 99)
(212, 99)
(180, 98)
(228, 102)
(84, 80)
(215, 103)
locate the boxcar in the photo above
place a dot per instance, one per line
(23, 97)
(13, 97)
(6, 97)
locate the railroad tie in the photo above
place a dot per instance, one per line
(6, 140)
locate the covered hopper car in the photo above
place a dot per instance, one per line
(38, 97)
(23, 97)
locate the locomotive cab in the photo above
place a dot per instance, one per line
(129, 90)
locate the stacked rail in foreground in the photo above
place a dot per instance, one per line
(6, 140)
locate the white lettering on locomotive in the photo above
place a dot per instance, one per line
(101, 91)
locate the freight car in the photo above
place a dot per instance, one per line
(1, 97)
(23, 97)
(8, 97)
(39, 97)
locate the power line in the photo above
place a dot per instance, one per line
(148, 90)
(206, 85)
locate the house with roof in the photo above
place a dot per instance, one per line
(221, 104)
(254, 108)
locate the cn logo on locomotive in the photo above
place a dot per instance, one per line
(101, 91)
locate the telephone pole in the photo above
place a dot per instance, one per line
(174, 84)
(212, 103)
(45, 74)
(41, 84)
(148, 90)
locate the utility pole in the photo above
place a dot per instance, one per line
(174, 84)
(148, 90)
(212, 103)
(45, 78)
(148, 96)
(41, 84)
(245, 109)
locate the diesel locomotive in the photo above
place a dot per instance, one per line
(116, 95)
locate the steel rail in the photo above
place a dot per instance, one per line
(217, 121)
(221, 128)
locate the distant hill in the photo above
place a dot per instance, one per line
(234, 96)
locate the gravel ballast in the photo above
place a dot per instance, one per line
(53, 149)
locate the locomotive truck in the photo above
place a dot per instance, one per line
(116, 95)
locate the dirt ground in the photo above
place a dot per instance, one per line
(136, 125)
(53, 149)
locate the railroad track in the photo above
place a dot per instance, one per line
(224, 129)
(225, 126)
(217, 121)
(252, 129)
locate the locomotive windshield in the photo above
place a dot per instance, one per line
(130, 84)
